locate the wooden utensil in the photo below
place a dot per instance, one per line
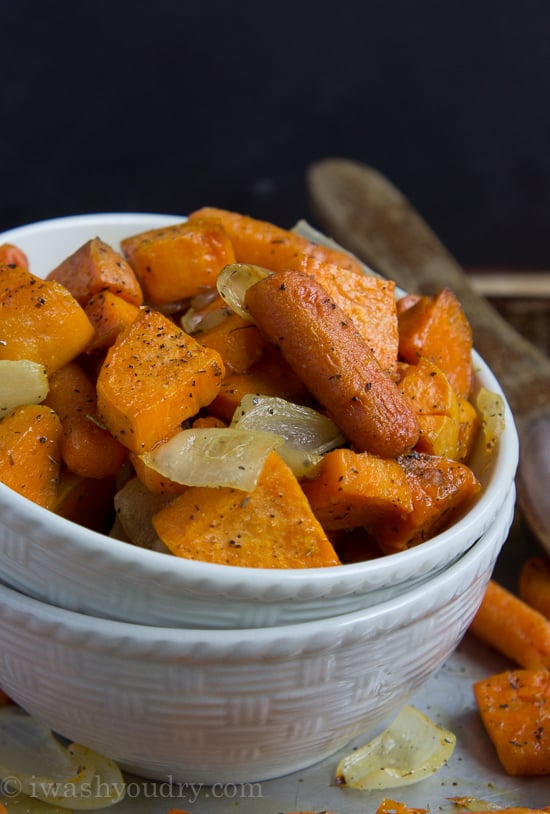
(366, 213)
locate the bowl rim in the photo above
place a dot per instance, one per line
(96, 633)
(157, 565)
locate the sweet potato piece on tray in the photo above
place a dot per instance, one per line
(271, 527)
(109, 314)
(515, 709)
(96, 267)
(393, 807)
(154, 377)
(176, 262)
(534, 584)
(438, 329)
(40, 320)
(507, 624)
(440, 488)
(86, 448)
(436, 405)
(30, 453)
(355, 488)
(321, 344)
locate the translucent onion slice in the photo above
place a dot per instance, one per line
(410, 749)
(233, 281)
(308, 434)
(491, 408)
(215, 456)
(33, 762)
(21, 382)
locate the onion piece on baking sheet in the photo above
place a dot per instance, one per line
(412, 748)
(36, 764)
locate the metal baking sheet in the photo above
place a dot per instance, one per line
(473, 770)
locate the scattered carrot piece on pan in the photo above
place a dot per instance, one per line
(515, 710)
(322, 346)
(534, 584)
(506, 623)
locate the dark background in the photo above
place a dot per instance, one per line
(167, 106)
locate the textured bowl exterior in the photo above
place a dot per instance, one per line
(64, 564)
(226, 706)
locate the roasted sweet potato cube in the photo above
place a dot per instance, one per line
(437, 328)
(40, 320)
(155, 377)
(270, 527)
(109, 314)
(96, 267)
(355, 489)
(176, 262)
(515, 709)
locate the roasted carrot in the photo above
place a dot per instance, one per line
(320, 343)
(270, 527)
(155, 377)
(87, 448)
(96, 267)
(515, 710)
(30, 453)
(534, 584)
(40, 320)
(507, 624)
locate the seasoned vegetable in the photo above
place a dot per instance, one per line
(534, 584)
(30, 453)
(176, 262)
(25, 302)
(13, 255)
(97, 267)
(321, 345)
(506, 623)
(109, 314)
(269, 527)
(154, 377)
(21, 382)
(515, 709)
(87, 448)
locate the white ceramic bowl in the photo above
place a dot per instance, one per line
(62, 563)
(227, 706)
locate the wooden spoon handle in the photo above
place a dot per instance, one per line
(368, 215)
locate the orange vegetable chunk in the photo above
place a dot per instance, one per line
(155, 377)
(438, 329)
(30, 453)
(87, 448)
(96, 267)
(515, 709)
(176, 262)
(354, 489)
(238, 342)
(13, 255)
(534, 584)
(506, 623)
(40, 320)
(109, 314)
(271, 527)
(440, 488)
(322, 346)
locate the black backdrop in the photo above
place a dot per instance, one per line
(167, 106)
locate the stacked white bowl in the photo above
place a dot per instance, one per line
(198, 672)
